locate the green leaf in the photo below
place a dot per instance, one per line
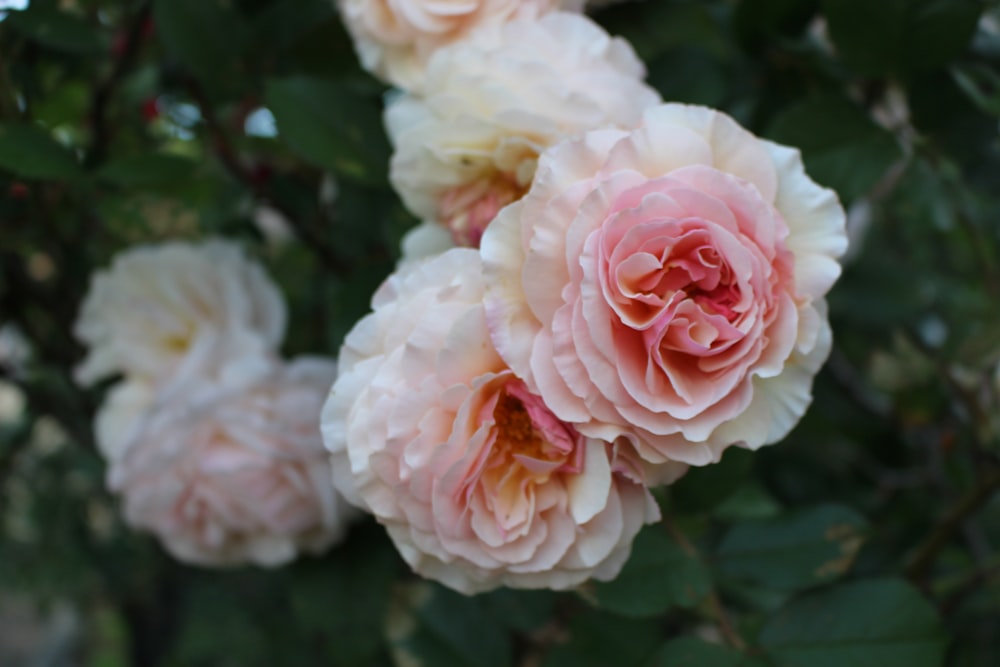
(58, 30)
(759, 22)
(800, 549)
(690, 75)
(344, 597)
(692, 652)
(333, 127)
(658, 575)
(108, 633)
(900, 36)
(598, 639)
(981, 84)
(30, 152)
(653, 28)
(874, 623)
(148, 171)
(285, 23)
(432, 625)
(209, 37)
(950, 115)
(706, 487)
(524, 611)
(749, 501)
(842, 147)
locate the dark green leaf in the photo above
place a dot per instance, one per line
(981, 84)
(796, 550)
(344, 597)
(327, 124)
(30, 152)
(760, 22)
(658, 575)
(147, 171)
(655, 27)
(691, 652)
(432, 625)
(691, 75)
(598, 639)
(207, 36)
(900, 36)
(524, 611)
(874, 623)
(950, 118)
(749, 501)
(706, 487)
(57, 29)
(842, 147)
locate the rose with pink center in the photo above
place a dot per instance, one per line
(467, 209)
(666, 285)
(479, 484)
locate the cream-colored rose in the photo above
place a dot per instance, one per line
(164, 311)
(395, 38)
(468, 145)
(227, 470)
(120, 418)
(477, 482)
(667, 284)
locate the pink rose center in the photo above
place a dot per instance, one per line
(695, 268)
(467, 209)
(527, 445)
(679, 288)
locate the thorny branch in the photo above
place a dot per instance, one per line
(950, 523)
(718, 611)
(101, 129)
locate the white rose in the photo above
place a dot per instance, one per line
(178, 308)
(395, 38)
(470, 143)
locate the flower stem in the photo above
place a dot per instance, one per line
(925, 554)
(714, 602)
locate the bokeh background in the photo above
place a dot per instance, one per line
(871, 536)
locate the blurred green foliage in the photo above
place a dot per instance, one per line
(870, 537)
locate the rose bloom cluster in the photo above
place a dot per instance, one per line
(604, 290)
(211, 439)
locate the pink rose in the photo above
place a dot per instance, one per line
(394, 38)
(227, 470)
(666, 285)
(477, 482)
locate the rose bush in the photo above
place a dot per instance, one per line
(227, 471)
(477, 482)
(467, 145)
(870, 531)
(666, 285)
